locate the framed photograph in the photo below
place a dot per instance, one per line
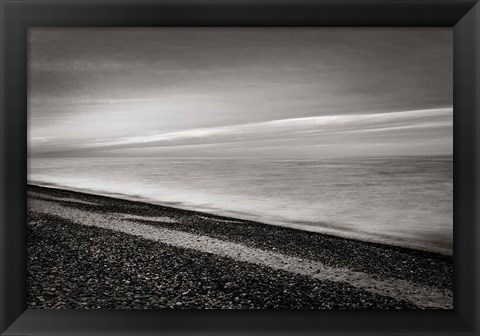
(270, 167)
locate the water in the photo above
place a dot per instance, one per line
(403, 201)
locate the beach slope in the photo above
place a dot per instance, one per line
(89, 251)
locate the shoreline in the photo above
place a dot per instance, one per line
(380, 276)
(359, 237)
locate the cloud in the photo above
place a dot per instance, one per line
(309, 127)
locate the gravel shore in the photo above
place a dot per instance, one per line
(76, 266)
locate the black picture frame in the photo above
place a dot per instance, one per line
(18, 15)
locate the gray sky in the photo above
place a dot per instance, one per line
(316, 92)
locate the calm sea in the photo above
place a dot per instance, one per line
(402, 201)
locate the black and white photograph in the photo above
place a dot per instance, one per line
(240, 168)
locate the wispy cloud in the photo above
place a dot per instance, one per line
(290, 128)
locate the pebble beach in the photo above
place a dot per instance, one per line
(96, 252)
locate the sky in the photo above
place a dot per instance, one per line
(239, 92)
